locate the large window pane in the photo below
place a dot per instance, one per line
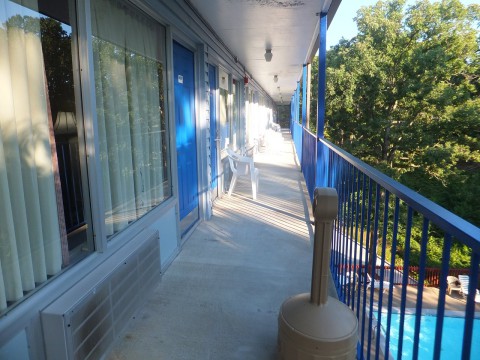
(36, 87)
(238, 129)
(129, 70)
(224, 119)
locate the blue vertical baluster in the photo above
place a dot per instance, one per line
(353, 272)
(470, 308)
(406, 265)
(338, 221)
(362, 225)
(345, 167)
(374, 265)
(346, 200)
(367, 260)
(334, 184)
(392, 273)
(349, 227)
(382, 272)
(336, 239)
(331, 169)
(343, 223)
(340, 213)
(421, 283)
(441, 297)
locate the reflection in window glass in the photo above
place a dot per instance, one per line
(39, 156)
(128, 59)
(238, 130)
(224, 119)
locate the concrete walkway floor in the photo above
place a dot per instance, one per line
(221, 296)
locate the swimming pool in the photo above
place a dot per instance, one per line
(451, 339)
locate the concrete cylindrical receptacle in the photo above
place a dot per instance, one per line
(308, 331)
(316, 326)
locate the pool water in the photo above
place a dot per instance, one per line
(452, 336)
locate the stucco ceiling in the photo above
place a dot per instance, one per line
(288, 27)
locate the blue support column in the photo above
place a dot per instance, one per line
(322, 75)
(292, 119)
(297, 103)
(304, 96)
(304, 114)
(321, 176)
(297, 128)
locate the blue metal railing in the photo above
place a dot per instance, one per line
(297, 138)
(309, 156)
(375, 212)
(378, 220)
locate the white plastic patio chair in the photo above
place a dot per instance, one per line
(242, 166)
(376, 284)
(453, 285)
(464, 283)
(350, 277)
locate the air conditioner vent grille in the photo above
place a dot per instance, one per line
(88, 317)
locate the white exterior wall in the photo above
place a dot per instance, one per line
(21, 333)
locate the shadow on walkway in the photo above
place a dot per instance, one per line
(220, 298)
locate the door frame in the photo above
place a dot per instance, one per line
(214, 191)
(184, 229)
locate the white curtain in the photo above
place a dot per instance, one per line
(127, 50)
(30, 247)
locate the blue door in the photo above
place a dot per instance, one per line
(212, 79)
(184, 79)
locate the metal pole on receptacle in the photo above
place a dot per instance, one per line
(314, 325)
(325, 214)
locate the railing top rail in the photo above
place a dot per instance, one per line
(454, 225)
(309, 132)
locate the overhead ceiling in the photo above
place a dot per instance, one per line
(288, 27)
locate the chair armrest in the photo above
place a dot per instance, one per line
(240, 158)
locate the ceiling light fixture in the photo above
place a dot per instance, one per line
(268, 55)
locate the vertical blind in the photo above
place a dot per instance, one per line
(128, 49)
(30, 246)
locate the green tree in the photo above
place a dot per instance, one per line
(57, 54)
(314, 95)
(403, 95)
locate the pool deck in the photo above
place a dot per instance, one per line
(454, 302)
(454, 306)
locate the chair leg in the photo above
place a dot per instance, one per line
(254, 190)
(232, 184)
(254, 178)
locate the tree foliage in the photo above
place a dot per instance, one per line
(404, 96)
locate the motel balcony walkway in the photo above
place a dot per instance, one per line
(220, 297)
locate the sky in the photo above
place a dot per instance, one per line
(343, 25)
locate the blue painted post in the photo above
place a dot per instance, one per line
(304, 115)
(304, 96)
(322, 75)
(321, 174)
(297, 102)
(470, 308)
(292, 119)
(299, 143)
(447, 245)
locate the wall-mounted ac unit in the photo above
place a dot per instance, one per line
(84, 322)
